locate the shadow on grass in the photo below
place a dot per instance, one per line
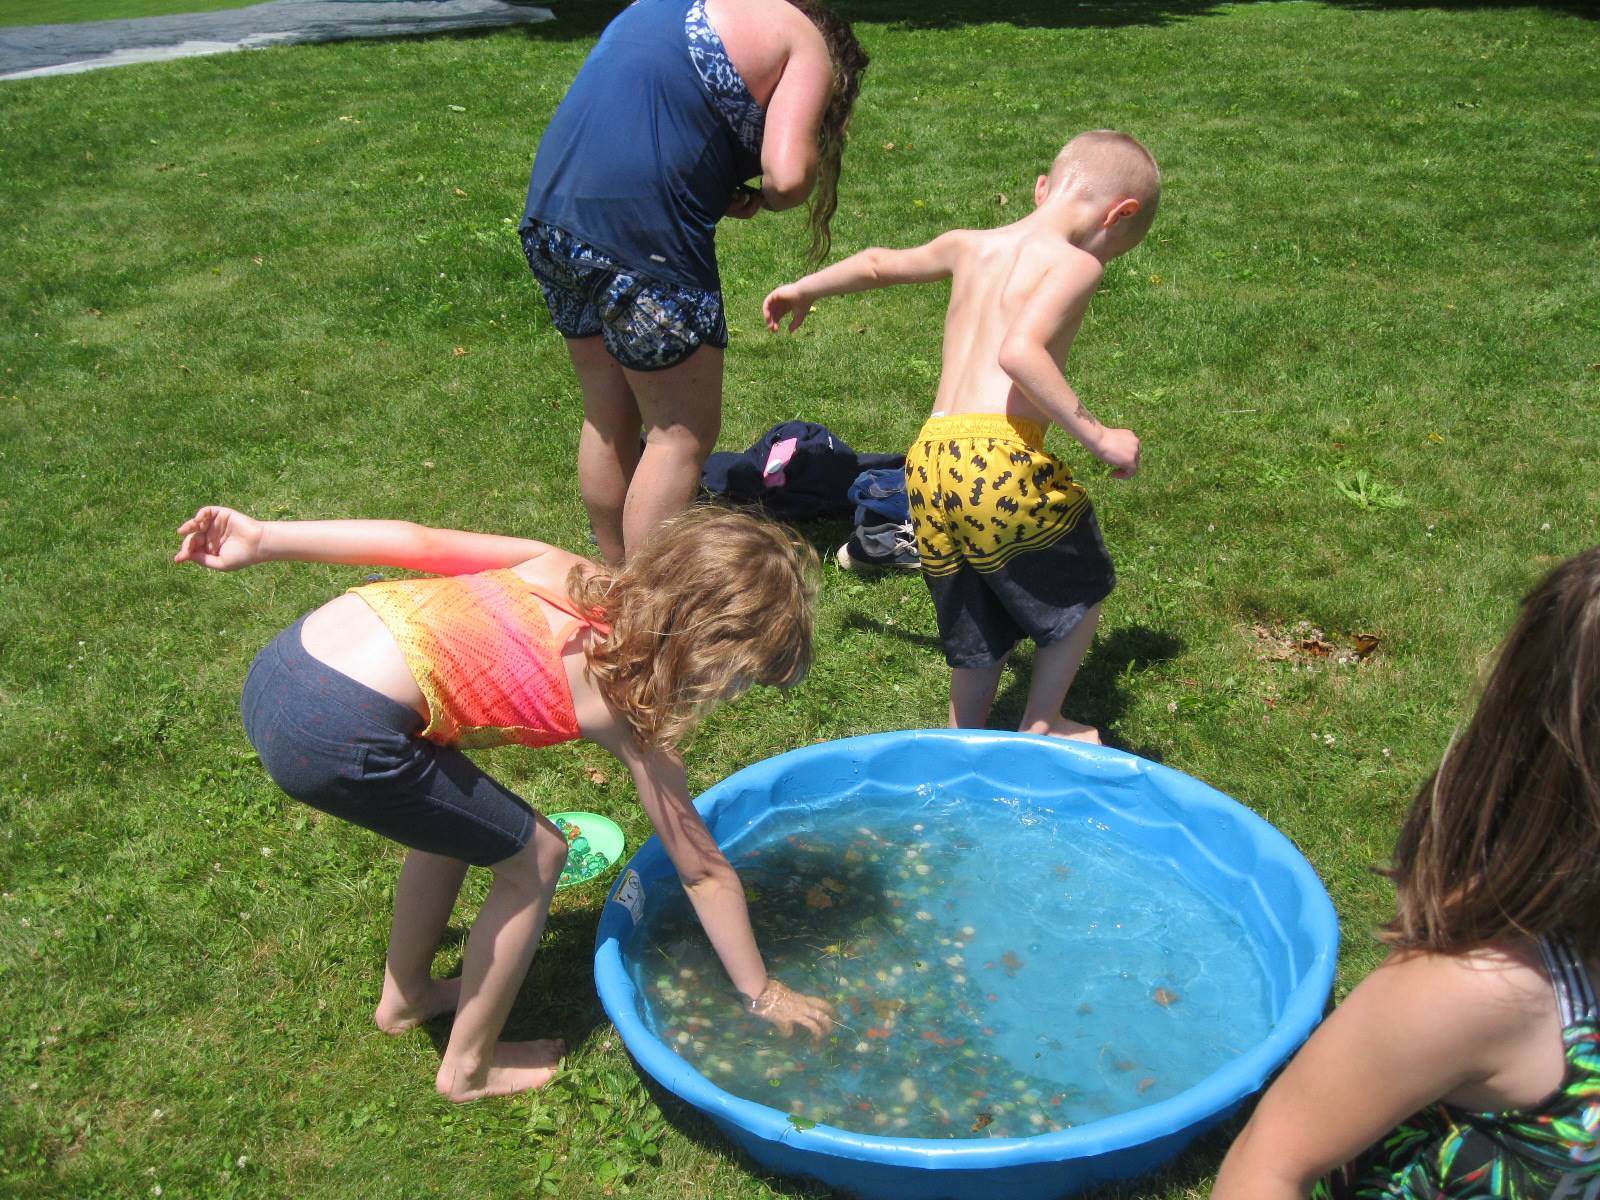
(825, 535)
(861, 623)
(558, 999)
(1098, 696)
(577, 19)
(1192, 1170)
(693, 1125)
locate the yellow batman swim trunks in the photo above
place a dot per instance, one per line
(1009, 542)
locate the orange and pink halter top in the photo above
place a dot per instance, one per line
(484, 655)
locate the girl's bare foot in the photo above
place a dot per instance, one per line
(1074, 731)
(398, 1013)
(515, 1067)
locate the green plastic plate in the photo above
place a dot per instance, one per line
(594, 843)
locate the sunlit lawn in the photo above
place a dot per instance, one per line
(1362, 347)
(54, 12)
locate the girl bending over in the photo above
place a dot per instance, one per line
(361, 710)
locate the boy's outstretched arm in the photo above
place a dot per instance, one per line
(874, 267)
(1039, 337)
(226, 540)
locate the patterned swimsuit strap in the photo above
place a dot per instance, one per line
(729, 93)
(1570, 978)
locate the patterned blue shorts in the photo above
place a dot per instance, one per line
(646, 324)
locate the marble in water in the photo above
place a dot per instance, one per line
(997, 970)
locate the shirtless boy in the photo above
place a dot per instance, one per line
(1009, 542)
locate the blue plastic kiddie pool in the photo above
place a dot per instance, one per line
(1218, 847)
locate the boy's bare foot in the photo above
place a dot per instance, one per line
(1073, 731)
(515, 1067)
(399, 1014)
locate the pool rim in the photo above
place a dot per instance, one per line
(1191, 1110)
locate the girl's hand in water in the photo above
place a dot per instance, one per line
(221, 539)
(787, 1009)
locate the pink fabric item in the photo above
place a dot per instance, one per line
(772, 474)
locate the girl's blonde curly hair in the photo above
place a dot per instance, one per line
(713, 602)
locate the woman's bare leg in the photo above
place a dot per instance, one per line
(608, 450)
(681, 408)
(499, 951)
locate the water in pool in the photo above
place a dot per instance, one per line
(998, 970)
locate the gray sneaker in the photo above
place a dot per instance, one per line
(880, 547)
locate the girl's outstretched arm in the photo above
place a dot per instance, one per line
(715, 891)
(225, 540)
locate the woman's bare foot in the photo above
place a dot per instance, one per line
(515, 1067)
(1073, 731)
(398, 1013)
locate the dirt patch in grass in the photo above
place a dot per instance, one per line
(1305, 642)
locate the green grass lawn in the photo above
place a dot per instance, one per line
(1362, 347)
(43, 12)
(51, 12)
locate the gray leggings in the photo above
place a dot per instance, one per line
(339, 746)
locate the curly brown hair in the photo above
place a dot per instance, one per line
(1503, 838)
(849, 64)
(713, 602)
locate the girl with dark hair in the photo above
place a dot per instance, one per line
(680, 103)
(1468, 1064)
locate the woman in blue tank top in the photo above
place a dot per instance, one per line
(679, 104)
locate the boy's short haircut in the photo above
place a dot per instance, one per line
(1112, 166)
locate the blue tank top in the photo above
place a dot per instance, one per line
(638, 160)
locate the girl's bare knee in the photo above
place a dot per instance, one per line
(537, 866)
(551, 846)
